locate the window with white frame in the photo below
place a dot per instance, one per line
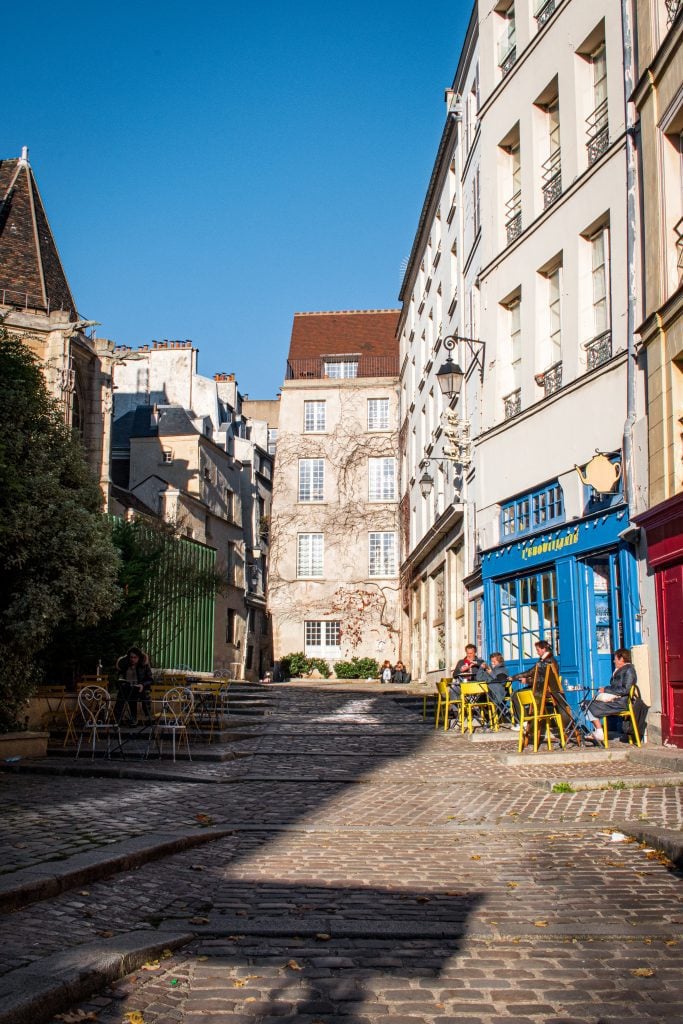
(321, 639)
(555, 315)
(342, 367)
(378, 413)
(315, 417)
(311, 479)
(309, 555)
(168, 456)
(599, 243)
(382, 558)
(382, 479)
(515, 328)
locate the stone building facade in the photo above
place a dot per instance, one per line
(659, 100)
(334, 581)
(36, 305)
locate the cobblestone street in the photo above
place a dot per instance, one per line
(364, 867)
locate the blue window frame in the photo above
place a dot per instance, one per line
(528, 612)
(533, 511)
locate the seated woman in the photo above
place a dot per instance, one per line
(400, 675)
(386, 672)
(135, 680)
(496, 675)
(613, 698)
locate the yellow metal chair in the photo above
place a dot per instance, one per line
(444, 702)
(530, 713)
(627, 713)
(471, 695)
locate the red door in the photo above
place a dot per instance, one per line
(670, 600)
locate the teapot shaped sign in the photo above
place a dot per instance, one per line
(600, 473)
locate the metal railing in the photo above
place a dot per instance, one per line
(366, 366)
(513, 217)
(673, 8)
(597, 132)
(544, 11)
(22, 300)
(507, 52)
(551, 173)
(512, 403)
(552, 379)
(678, 228)
(598, 350)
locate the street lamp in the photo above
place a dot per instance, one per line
(426, 483)
(450, 376)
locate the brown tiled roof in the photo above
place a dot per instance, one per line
(31, 272)
(344, 332)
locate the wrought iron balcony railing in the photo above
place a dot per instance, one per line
(673, 8)
(544, 11)
(507, 51)
(552, 379)
(597, 132)
(513, 404)
(552, 178)
(598, 350)
(513, 217)
(679, 247)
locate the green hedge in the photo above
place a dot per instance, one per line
(357, 668)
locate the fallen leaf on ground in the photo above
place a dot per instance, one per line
(323, 936)
(199, 920)
(202, 958)
(134, 1017)
(540, 924)
(475, 856)
(84, 893)
(105, 934)
(153, 965)
(166, 953)
(643, 972)
(293, 965)
(512, 885)
(238, 983)
(422, 899)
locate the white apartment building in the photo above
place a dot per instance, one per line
(440, 298)
(333, 588)
(558, 309)
(525, 532)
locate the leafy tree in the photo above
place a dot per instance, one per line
(58, 565)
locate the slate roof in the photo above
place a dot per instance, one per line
(173, 421)
(31, 272)
(370, 332)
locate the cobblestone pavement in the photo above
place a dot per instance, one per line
(377, 871)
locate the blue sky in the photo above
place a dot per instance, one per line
(209, 170)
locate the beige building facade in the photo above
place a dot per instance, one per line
(659, 100)
(334, 573)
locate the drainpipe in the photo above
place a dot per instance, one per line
(631, 215)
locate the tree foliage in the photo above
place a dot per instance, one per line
(58, 565)
(156, 587)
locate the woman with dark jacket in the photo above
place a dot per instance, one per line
(400, 674)
(613, 698)
(135, 680)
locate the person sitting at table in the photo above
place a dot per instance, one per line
(545, 668)
(495, 676)
(466, 669)
(135, 680)
(400, 674)
(614, 697)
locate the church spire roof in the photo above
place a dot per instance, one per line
(31, 272)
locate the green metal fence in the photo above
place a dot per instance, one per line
(181, 632)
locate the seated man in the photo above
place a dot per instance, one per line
(613, 698)
(466, 669)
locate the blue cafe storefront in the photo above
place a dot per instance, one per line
(575, 586)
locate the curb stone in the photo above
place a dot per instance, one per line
(35, 993)
(32, 884)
